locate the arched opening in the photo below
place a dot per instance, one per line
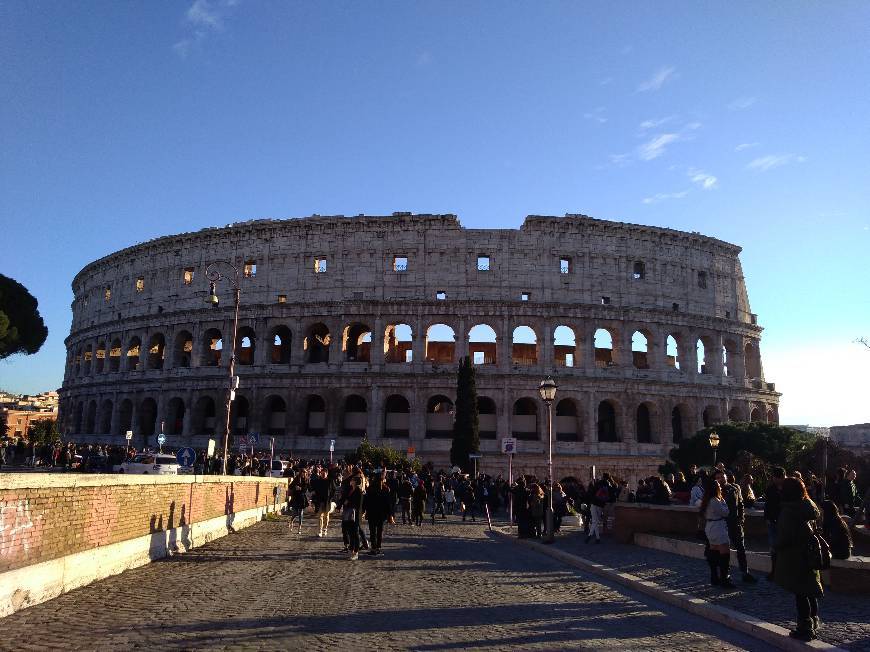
(524, 349)
(644, 425)
(678, 423)
(79, 417)
(213, 346)
(105, 427)
(603, 348)
(156, 349)
(757, 415)
(397, 417)
(276, 416)
(735, 414)
(482, 345)
(486, 418)
(125, 417)
(567, 425)
(205, 414)
(245, 345)
(148, 419)
(439, 417)
(115, 356)
(315, 415)
(672, 351)
(524, 421)
(564, 346)
(398, 344)
(357, 343)
(607, 422)
(640, 350)
(239, 415)
(281, 342)
(91, 421)
(78, 363)
(704, 346)
(711, 416)
(88, 357)
(772, 416)
(100, 358)
(133, 354)
(732, 361)
(316, 344)
(355, 416)
(175, 417)
(440, 344)
(752, 361)
(183, 347)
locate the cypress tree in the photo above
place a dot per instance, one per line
(466, 429)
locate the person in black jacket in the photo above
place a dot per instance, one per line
(835, 531)
(735, 519)
(324, 499)
(376, 505)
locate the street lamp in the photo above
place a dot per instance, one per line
(214, 275)
(825, 436)
(714, 444)
(548, 393)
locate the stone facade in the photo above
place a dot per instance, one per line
(345, 329)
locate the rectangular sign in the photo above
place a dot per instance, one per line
(474, 456)
(211, 445)
(129, 435)
(509, 445)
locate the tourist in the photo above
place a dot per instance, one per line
(536, 510)
(469, 501)
(697, 493)
(438, 500)
(848, 493)
(324, 499)
(792, 571)
(735, 520)
(418, 504)
(771, 511)
(406, 490)
(376, 504)
(598, 496)
(561, 503)
(835, 531)
(350, 517)
(521, 509)
(297, 490)
(747, 491)
(450, 499)
(714, 511)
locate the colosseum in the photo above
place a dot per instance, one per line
(353, 327)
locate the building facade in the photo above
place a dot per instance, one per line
(353, 326)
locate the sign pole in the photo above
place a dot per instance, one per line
(271, 454)
(510, 485)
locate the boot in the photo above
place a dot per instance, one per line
(725, 570)
(804, 631)
(713, 561)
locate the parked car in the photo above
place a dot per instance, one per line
(279, 468)
(153, 463)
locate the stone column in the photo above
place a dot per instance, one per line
(504, 341)
(187, 422)
(297, 350)
(545, 347)
(418, 342)
(587, 346)
(115, 418)
(591, 412)
(461, 340)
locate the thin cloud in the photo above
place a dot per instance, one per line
(741, 103)
(664, 196)
(743, 146)
(657, 80)
(701, 178)
(772, 161)
(202, 18)
(424, 58)
(596, 115)
(654, 123)
(656, 146)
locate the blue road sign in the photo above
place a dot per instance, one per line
(253, 438)
(186, 456)
(161, 439)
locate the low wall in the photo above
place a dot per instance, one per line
(679, 520)
(62, 531)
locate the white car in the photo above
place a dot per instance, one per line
(153, 463)
(278, 468)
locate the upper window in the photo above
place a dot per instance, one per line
(702, 280)
(639, 270)
(319, 265)
(482, 263)
(441, 295)
(524, 296)
(140, 284)
(605, 301)
(282, 298)
(400, 264)
(107, 293)
(187, 277)
(564, 265)
(250, 269)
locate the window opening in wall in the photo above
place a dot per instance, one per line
(320, 265)
(675, 307)
(564, 265)
(440, 295)
(281, 341)
(482, 344)
(187, 276)
(727, 314)
(702, 280)
(400, 264)
(524, 348)
(140, 284)
(639, 270)
(282, 298)
(672, 352)
(357, 342)
(250, 268)
(482, 263)
(107, 293)
(398, 342)
(702, 352)
(440, 344)
(245, 346)
(564, 346)
(316, 344)
(603, 341)
(640, 350)
(478, 357)
(605, 301)
(724, 361)
(524, 296)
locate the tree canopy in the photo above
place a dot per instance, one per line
(43, 431)
(21, 327)
(466, 428)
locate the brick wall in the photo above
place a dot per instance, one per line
(46, 516)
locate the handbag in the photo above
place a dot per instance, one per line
(818, 549)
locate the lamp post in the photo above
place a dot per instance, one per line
(714, 444)
(826, 437)
(548, 393)
(214, 275)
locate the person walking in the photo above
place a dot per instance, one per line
(714, 512)
(298, 491)
(450, 499)
(376, 505)
(469, 500)
(350, 517)
(418, 504)
(406, 491)
(598, 497)
(438, 500)
(792, 572)
(324, 499)
(735, 519)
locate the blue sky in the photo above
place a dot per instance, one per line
(120, 122)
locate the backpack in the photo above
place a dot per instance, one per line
(818, 549)
(602, 495)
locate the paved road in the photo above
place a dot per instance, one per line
(447, 587)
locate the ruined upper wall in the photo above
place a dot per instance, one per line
(442, 256)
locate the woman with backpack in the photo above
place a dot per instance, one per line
(351, 507)
(795, 530)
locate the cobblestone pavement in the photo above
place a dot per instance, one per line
(846, 618)
(445, 587)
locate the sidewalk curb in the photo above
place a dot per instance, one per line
(764, 631)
